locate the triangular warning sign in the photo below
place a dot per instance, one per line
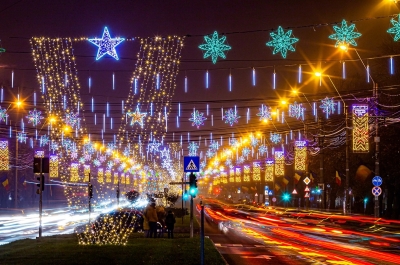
(306, 189)
(294, 191)
(191, 165)
(307, 195)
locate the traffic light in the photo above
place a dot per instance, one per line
(40, 185)
(90, 190)
(185, 196)
(193, 185)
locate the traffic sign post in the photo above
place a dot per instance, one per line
(377, 181)
(376, 191)
(191, 164)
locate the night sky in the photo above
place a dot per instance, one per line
(246, 24)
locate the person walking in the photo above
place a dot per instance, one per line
(170, 222)
(151, 216)
(161, 216)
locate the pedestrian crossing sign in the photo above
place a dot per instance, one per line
(191, 164)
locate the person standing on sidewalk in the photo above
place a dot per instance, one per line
(151, 216)
(170, 222)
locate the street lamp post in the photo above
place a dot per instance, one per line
(16, 173)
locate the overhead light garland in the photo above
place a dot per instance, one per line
(345, 35)
(197, 118)
(395, 29)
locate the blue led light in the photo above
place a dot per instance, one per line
(106, 45)
(282, 41)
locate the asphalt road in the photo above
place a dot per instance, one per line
(264, 240)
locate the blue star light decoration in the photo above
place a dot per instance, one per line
(328, 106)
(345, 35)
(231, 117)
(67, 144)
(228, 162)
(72, 119)
(127, 151)
(44, 140)
(396, 28)
(153, 147)
(233, 142)
(164, 153)
(137, 117)
(106, 45)
(265, 113)
(82, 160)
(34, 117)
(197, 118)
(53, 146)
(96, 162)
(262, 149)
(275, 138)
(3, 114)
(214, 47)
(21, 137)
(193, 146)
(282, 41)
(296, 110)
(110, 164)
(246, 151)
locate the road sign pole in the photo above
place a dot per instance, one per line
(40, 198)
(183, 213)
(202, 234)
(191, 217)
(376, 140)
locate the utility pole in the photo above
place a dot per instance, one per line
(347, 199)
(118, 193)
(16, 173)
(321, 163)
(377, 140)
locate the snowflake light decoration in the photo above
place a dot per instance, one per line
(34, 117)
(117, 161)
(202, 165)
(345, 35)
(72, 119)
(21, 137)
(137, 117)
(263, 149)
(111, 146)
(96, 162)
(228, 162)
(87, 156)
(282, 41)
(197, 118)
(67, 144)
(265, 113)
(214, 145)
(210, 153)
(102, 159)
(3, 114)
(215, 47)
(231, 117)
(53, 146)
(110, 164)
(296, 110)
(153, 146)
(241, 160)
(89, 148)
(275, 138)
(328, 106)
(193, 146)
(164, 153)
(395, 29)
(127, 151)
(44, 140)
(246, 151)
(106, 45)
(233, 142)
(74, 155)
(254, 141)
(82, 160)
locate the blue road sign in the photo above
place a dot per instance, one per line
(270, 192)
(191, 164)
(377, 181)
(376, 191)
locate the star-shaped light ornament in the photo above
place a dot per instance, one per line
(265, 113)
(345, 35)
(34, 117)
(197, 118)
(282, 41)
(263, 149)
(106, 45)
(231, 117)
(72, 119)
(137, 117)
(215, 47)
(396, 28)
